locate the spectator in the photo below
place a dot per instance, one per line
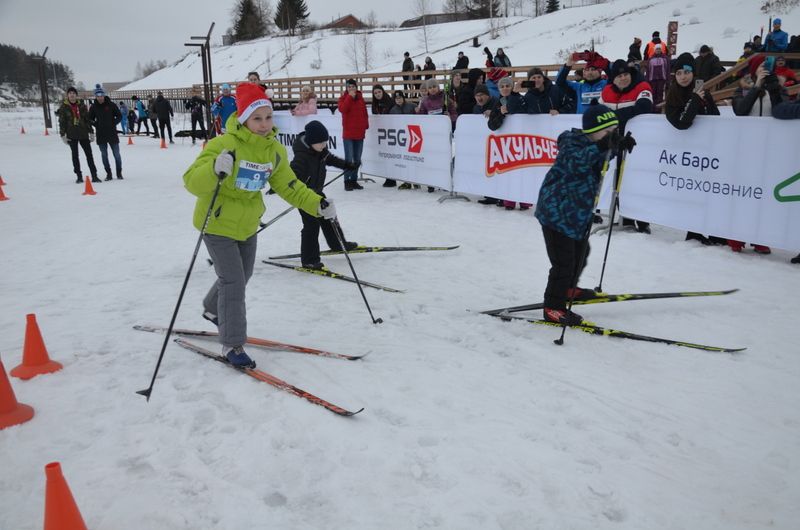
(142, 116)
(511, 102)
(591, 86)
(165, 113)
(758, 46)
(308, 102)
(466, 96)
(131, 119)
(195, 106)
(544, 97)
(417, 81)
(489, 107)
(382, 103)
(76, 129)
(686, 99)
(222, 108)
(501, 60)
(429, 66)
(657, 74)
(152, 114)
(655, 42)
(708, 65)
(311, 156)
(781, 70)
(777, 40)
(253, 77)
(434, 102)
(105, 116)
(628, 95)
(747, 52)
(787, 110)
(452, 88)
(123, 110)
(635, 50)
(489, 57)
(408, 66)
(355, 123)
(401, 105)
(462, 63)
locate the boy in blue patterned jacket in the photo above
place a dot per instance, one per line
(566, 202)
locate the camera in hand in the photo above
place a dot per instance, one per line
(580, 56)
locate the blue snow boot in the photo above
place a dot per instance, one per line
(239, 358)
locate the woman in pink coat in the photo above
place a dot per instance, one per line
(308, 102)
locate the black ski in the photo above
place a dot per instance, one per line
(268, 378)
(588, 327)
(603, 298)
(253, 341)
(366, 250)
(330, 274)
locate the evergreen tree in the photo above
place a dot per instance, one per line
(552, 6)
(290, 14)
(249, 23)
(483, 8)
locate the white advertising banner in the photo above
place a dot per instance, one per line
(289, 127)
(511, 162)
(732, 177)
(409, 147)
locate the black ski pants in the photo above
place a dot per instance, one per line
(565, 269)
(168, 124)
(86, 145)
(198, 120)
(309, 237)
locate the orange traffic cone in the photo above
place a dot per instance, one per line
(87, 187)
(35, 360)
(163, 143)
(130, 140)
(22, 130)
(11, 411)
(2, 182)
(45, 132)
(60, 510)
(2, 195)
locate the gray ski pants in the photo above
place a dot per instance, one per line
(233, 263)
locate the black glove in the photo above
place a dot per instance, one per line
(627, 143)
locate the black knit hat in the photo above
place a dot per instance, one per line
(351, 82)
(620, 66)
(481, 89)
(316, 133)
(598, 117)
(704, 48)
(684, 61)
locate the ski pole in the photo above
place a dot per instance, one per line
(340, 237)
(146, 392)
(560, 340)
(290, 208)
(614, 204)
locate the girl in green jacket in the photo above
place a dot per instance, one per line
(242, 161)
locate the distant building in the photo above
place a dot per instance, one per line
(346, 22)
(435, 18)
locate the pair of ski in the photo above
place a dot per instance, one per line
(255, 373)
(358, 250)
(505, 313)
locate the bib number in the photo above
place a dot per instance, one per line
(252, 176)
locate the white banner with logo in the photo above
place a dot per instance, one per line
(511, 162)
(732, 177)
(410, 148)
(289, 127)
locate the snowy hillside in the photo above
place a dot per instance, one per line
(543, 40)
(470, 423)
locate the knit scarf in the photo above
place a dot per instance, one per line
(76, 112)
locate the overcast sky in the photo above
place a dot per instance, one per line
(102, 40)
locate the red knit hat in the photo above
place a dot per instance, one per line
(755, 62)
(249, 97)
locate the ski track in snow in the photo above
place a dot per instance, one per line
(470, 422)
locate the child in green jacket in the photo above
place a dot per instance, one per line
(242, 162)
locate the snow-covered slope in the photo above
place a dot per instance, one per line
(542, 40)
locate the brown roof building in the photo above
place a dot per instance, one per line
(346, 22)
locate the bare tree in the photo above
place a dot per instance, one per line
(422, 8)
(371, 20)
(365, 44)
(351, 52)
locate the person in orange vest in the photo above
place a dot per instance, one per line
(650, 49)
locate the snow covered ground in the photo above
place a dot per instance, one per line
(470, 422)
(542, 40)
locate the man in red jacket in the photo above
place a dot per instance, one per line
(354, 124)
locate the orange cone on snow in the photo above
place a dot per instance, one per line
(87, 187)
(60, 510)
(22, 130)
(2, 195)
(35, 359)
(163, 144)
(2, 182)
(11, 411)
(130, 140)
(45, 132)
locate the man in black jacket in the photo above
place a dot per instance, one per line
(196, 105)
(311, 156)
(408, 66)
(76, 129)
(164, 112)
(708, 65)
(462, 63)
(104, 116)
